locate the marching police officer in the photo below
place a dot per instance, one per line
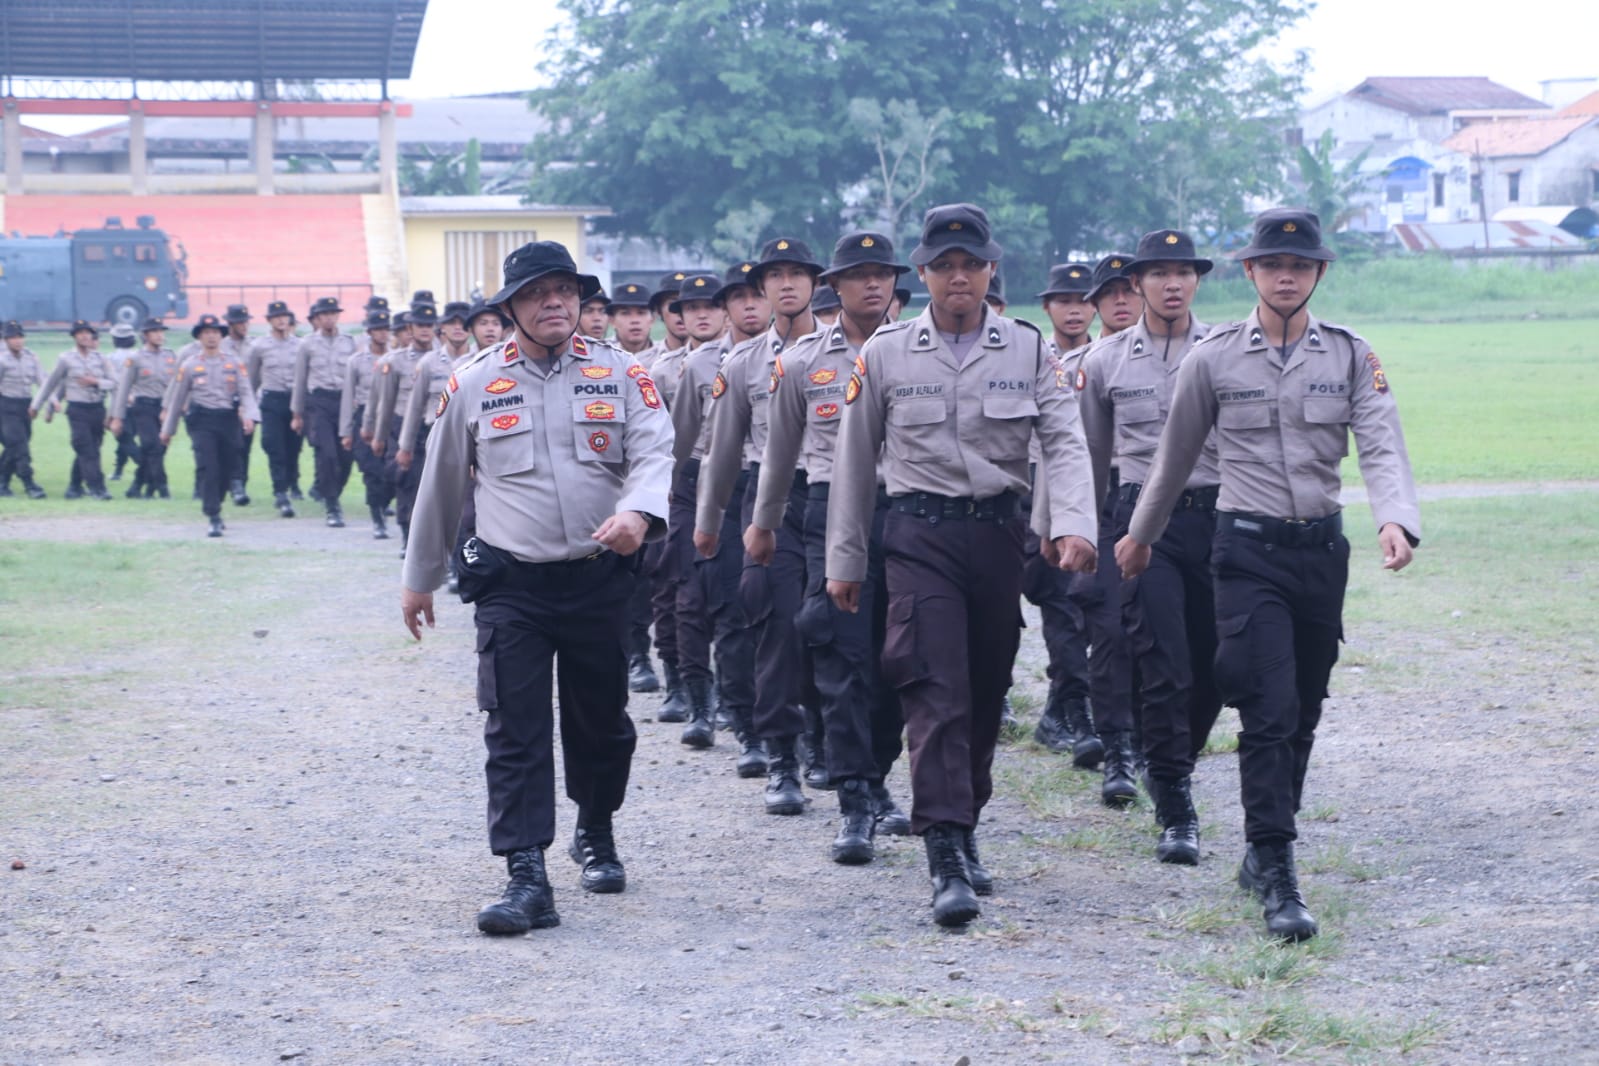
(593, 320)
(146, 376)
(123, 340)
(212, 388)
(272, 362)
(572, 453)
(455, 337)
(825, 305)
(319, 371)
(19, 373)
(628, 313)
(952, 400)
(391, 397)
(1167, 612)
(83, 376)
(1281, 391)
(353, 399)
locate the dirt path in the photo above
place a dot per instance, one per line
(244, 849)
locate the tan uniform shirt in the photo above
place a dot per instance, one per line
(696, 391)
(19, 373)
(431, 375)
(69, 369)
(667, 371)
(391, 389)
(1127, 388)
(272, 363)
(556, 453)
(954, 429)
(738, 423)
(804, 414)
(358, 374)
(146, 375)
(319, 363)
(212, 383)
(1282, 431)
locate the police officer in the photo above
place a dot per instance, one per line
(1281, 391)
(272, 360)
(665, 364)
(319, 371)
(391, 397)
(628, 314)
(1167, 613)
(429, 377)
(236, 343)
(123, 341)
(825, 305)
(146, 376)
(486, 325)
(593, 320)
(19, 373)
(952, 400)
(572, 457)
(353, 399)
(860, 714)
(1043, 582)
(455, 338)
(213, 390)
(83, 376)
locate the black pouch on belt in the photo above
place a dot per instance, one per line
(478, 567)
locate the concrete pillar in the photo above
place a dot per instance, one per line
(265, 146)
(13, 138)
(388, 151)
(138, 162)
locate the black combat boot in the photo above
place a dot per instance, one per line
(316, 493)
(216, 528)
(380, 529)
(857, 823)
(594, 849)
(751, 756)
(33, 489)
(75, 492)
(891, 821)
(136, 489)
(954, 902)
(1087, 749)
(528, 902)
(240, 497)
(701, 730)
(280, 500)
(1119, 788)
(295, 493)
(1268, 872)
(641, 675)
(335, 519)
(783, 792)
(1052, 730)
(977, 874)
(1179, 824)
(675, 707)
(162, 491)
(5, 490)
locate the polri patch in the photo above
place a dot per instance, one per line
(718, 387)
(647, 390)
(1379, 380)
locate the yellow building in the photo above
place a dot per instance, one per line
(456, 244)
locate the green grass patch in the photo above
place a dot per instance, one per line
(1287, 1024)
(1254, 964)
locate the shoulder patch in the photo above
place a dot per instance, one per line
(453, 384)
(647, 390)
(853, 389)
(444, 401)
(718, 387)
(860, 365)
(636, 370)
(1379, 380)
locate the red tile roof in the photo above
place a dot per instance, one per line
(1588, 105)
(1516, 136)
(1437, 96)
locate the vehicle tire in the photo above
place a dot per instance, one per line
(126, 309)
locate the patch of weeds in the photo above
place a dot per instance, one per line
(1082, 1017)
(1284, 1024)
(1207, 916)
(990, 1012)
(1257, 963)
(1428, 921)
(1050, 794)
(1087, 838)
(1470, 958)
(1342, 859)
(1223, 739)
(1321, 812)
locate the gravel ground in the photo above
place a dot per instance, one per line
(243, 848)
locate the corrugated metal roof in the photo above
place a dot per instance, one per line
(1516, 136)
(491, 205)
(1474, 236)
(1438, 96)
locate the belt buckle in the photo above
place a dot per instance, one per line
(971, 507)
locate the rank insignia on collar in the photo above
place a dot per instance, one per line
(823, 377)
(453, 384)
(860, 365)
(993, 335)
(511, 354)
(718, 386)
(777, 367)
(1255, 337)
(579, 345)
(1314, 337)
(923, 339)
(595, 372)
(499, 385)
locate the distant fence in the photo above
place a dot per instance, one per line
(214, 299)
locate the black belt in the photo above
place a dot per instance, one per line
(820, 490)
(148, 400)
(1288, 532)
(1202, 498)
(932, 506)
(325, 393)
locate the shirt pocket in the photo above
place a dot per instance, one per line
(1247, 432)
(1327, 421)
(505, 443)
(597, 427)
(918, 433)
(1138, 426)
(1007, 426)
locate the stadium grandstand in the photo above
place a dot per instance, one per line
(262, 139)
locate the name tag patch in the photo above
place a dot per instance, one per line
(500, 402)
(906, 392)
(1125, 395)
(1240, 395)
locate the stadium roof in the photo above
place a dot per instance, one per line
(210, 40)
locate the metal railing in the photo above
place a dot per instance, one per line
(298, 295)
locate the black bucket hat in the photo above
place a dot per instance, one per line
(83, 324)
(696, 287)
(535, 260)
(1069, 279)
(423, 315)
(424, 298)
(376, 320)
(783, 250)
(598, 297)
(860, 248)
(996, 290)
(963, 226)
(237, 313)
(376, 303)
(825, 298)
(1109, 268)
(1287, 231)
(456, 309)
(478, 310)
(400, 320)
(904, 297)
(278, 307)
(1167, 246)
(152, 323)
(123, 336)
(208, 322)
(736, 276)
(667, 288)
(323, 305)
(630, 295)
(12, 328)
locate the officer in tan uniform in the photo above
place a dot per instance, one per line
(146, 376)
(213, 390)
(674, 342)
(83, 376)
(825, 305)
(1168, 612)
(860, 714)
(952, 400)
(572, 457)
(390, 398)
(628, 314)
(271, 360)
(353, 398)
(19, 374)
(1281, 392)
(486, 325)
(319, 372)
(454, 337)
(593, 320)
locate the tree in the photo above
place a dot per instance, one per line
(909, 157)
(1331, 188)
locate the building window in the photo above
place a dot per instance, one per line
(1476, 188)
(1295, 138)
(1396, 194)
(1438, 190)
(94, 253)
(1513, 188)
(1595, 175)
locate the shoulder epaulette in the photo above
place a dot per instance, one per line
(1336, 328)
(1029, 325)
(894, 327)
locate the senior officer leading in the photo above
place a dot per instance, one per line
(1283, 391)
(952, 399)
(572, 452)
